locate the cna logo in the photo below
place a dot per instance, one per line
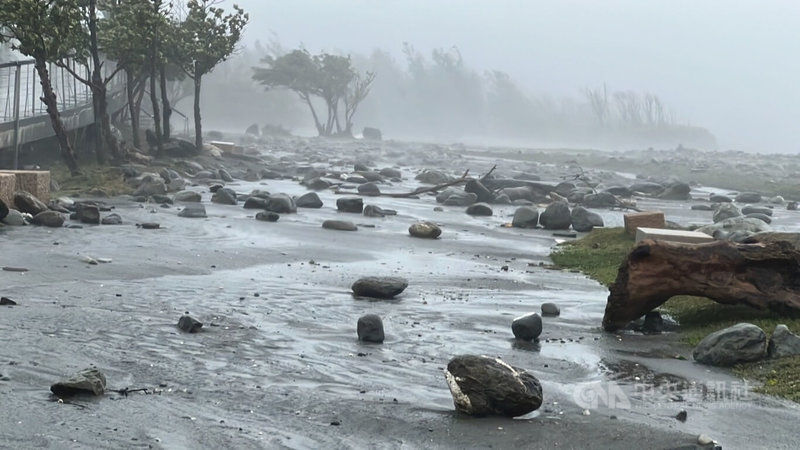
(601, 395)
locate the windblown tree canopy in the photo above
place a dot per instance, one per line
(328, 77)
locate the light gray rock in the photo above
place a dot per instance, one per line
(432, 177)
(194, 211)
(224, 196)
(556, 216)
(14, 218)
(90, 381)
(460, 198)
(736, 224)
(584, 220)
(112, 219)
(341, 225)
(783, 343)
(525, 217)
(742, 342)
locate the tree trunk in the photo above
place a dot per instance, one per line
(763, 276)
(165, 101)
(198, 127)
(134, 112)
(49, 99)
(307, 99)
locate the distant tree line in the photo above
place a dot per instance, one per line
(156, 44)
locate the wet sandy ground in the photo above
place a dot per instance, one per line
(278, 364)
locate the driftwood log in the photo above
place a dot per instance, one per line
(763, 276)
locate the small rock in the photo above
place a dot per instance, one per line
(350, 204)
(525, 217)
(224, 175)
(281, 204)
(13, 217)
(370, 328)
(341, 225)
(379, 287)
(5, 301)
(681, 416)
(187, 196)
(704, 439)
(224, 196)
(255, 203)
(527, 327)
(86, 381)
(550, 310)
(189, 324)
(267, 216)
(426, 230)
(370, 189)
(309, 200)
(479, 209)
(148, 225)
(50, 219)
(112, 219)
(192, 210)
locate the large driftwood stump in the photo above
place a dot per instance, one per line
(763, 276)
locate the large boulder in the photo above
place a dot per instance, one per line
(193, 211)
(460, 198)
(309, 200)
(600, 200)
(224, 196)
(527, 327)
(52, 219)
(425, 230)
(742, 342)
(14, 218)
(25, 202)
(585, 220)
(483, 386)
(477, 188)
(370, 328)
(725, 211)
(676, 191)
(350, 205)
(783, 343)
(371, 133)
(379, 287)
(90, 381)
(556, 216)
(187, 196)
(370, 189)
(749, 209)
(3, 210)
(281, 204)
(748, 197)
(525, 217)
(433, 177)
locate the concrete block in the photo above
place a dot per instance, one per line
(661, 234)
(37, 182)
(8, 185)
(648, 219)
(227, 147)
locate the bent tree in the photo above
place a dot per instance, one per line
(47, 31)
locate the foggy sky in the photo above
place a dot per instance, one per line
(732, 67)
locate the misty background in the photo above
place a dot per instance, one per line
(711, 74)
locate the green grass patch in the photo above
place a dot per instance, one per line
(599, 255)
(94, 180)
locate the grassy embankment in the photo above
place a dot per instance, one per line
(95, 181)
(599, 255)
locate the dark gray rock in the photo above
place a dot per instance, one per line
(267, 216)
(376, 211)
(477, 188)
(360, 167)
(50, 219)
(701, 208)
(646, 187)
(193, 211)
(151, 187)
(379, 287)
(25, 202)
(525, 217)
(719, 198)
(742, 342)
(260, 193)
(370, 189)
(161, 199)
(189, 324)
(676, 191)
(87, 213)
(584, 220)
(309, 200)
(3, 210)
(749, 209)
(483, 386)
(318, 184)
(725, 211)
(460, 198)
(112, 219)
(187, 196)
(5, 301)
(620, 191)
(224, 175)
(370, 328)
(653, 323)
(341, 225)
(479, 209)
(762, 217)
(748, 197)
(783, 343)
(281, 203)
(371, 176)
(433, 177)
(87, 381)
(390, 172)
(350, 205)
(372, 134)
(425, 230)
(556, 216)
(550, 310)
(255, 203)
(600, 200)
(527, 327)
(224, 196)
(791, 206)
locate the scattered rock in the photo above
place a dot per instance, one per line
(224, 196)
(112, 219)
(25, 202)
(556, 216)
(152, 185)
(425, 230)
(86, 381)
(194, 211)
(600, 200)
(550, 310)
(791, 206)
(477, 188)
(653, 323)
(704, 439)
(676, 191)
(3, 210)
(224, 175)
(282, 204)
(701, 208)
(740, 343)
(189, 324)
(460, 198)
(88, 213)
(370, 328)
(390, 172)
(255, 203)
(584, 220)
(5, 301)
(148, 225)
(373, 134)
(525, 217)
(341, 225)
(370, 189)
(527, 327)
(681, 416)
(379, 287)
(432, 177)
(350, 204)
(483, 386)
(51, 219)
(719, 198)
(187, 196)
(748, 197)
(14, 218)
(309, 200)
(267, 216)
(376, 211)
(750, 209)
(479, 209)
(783, 343)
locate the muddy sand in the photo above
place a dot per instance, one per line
(278, 364)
